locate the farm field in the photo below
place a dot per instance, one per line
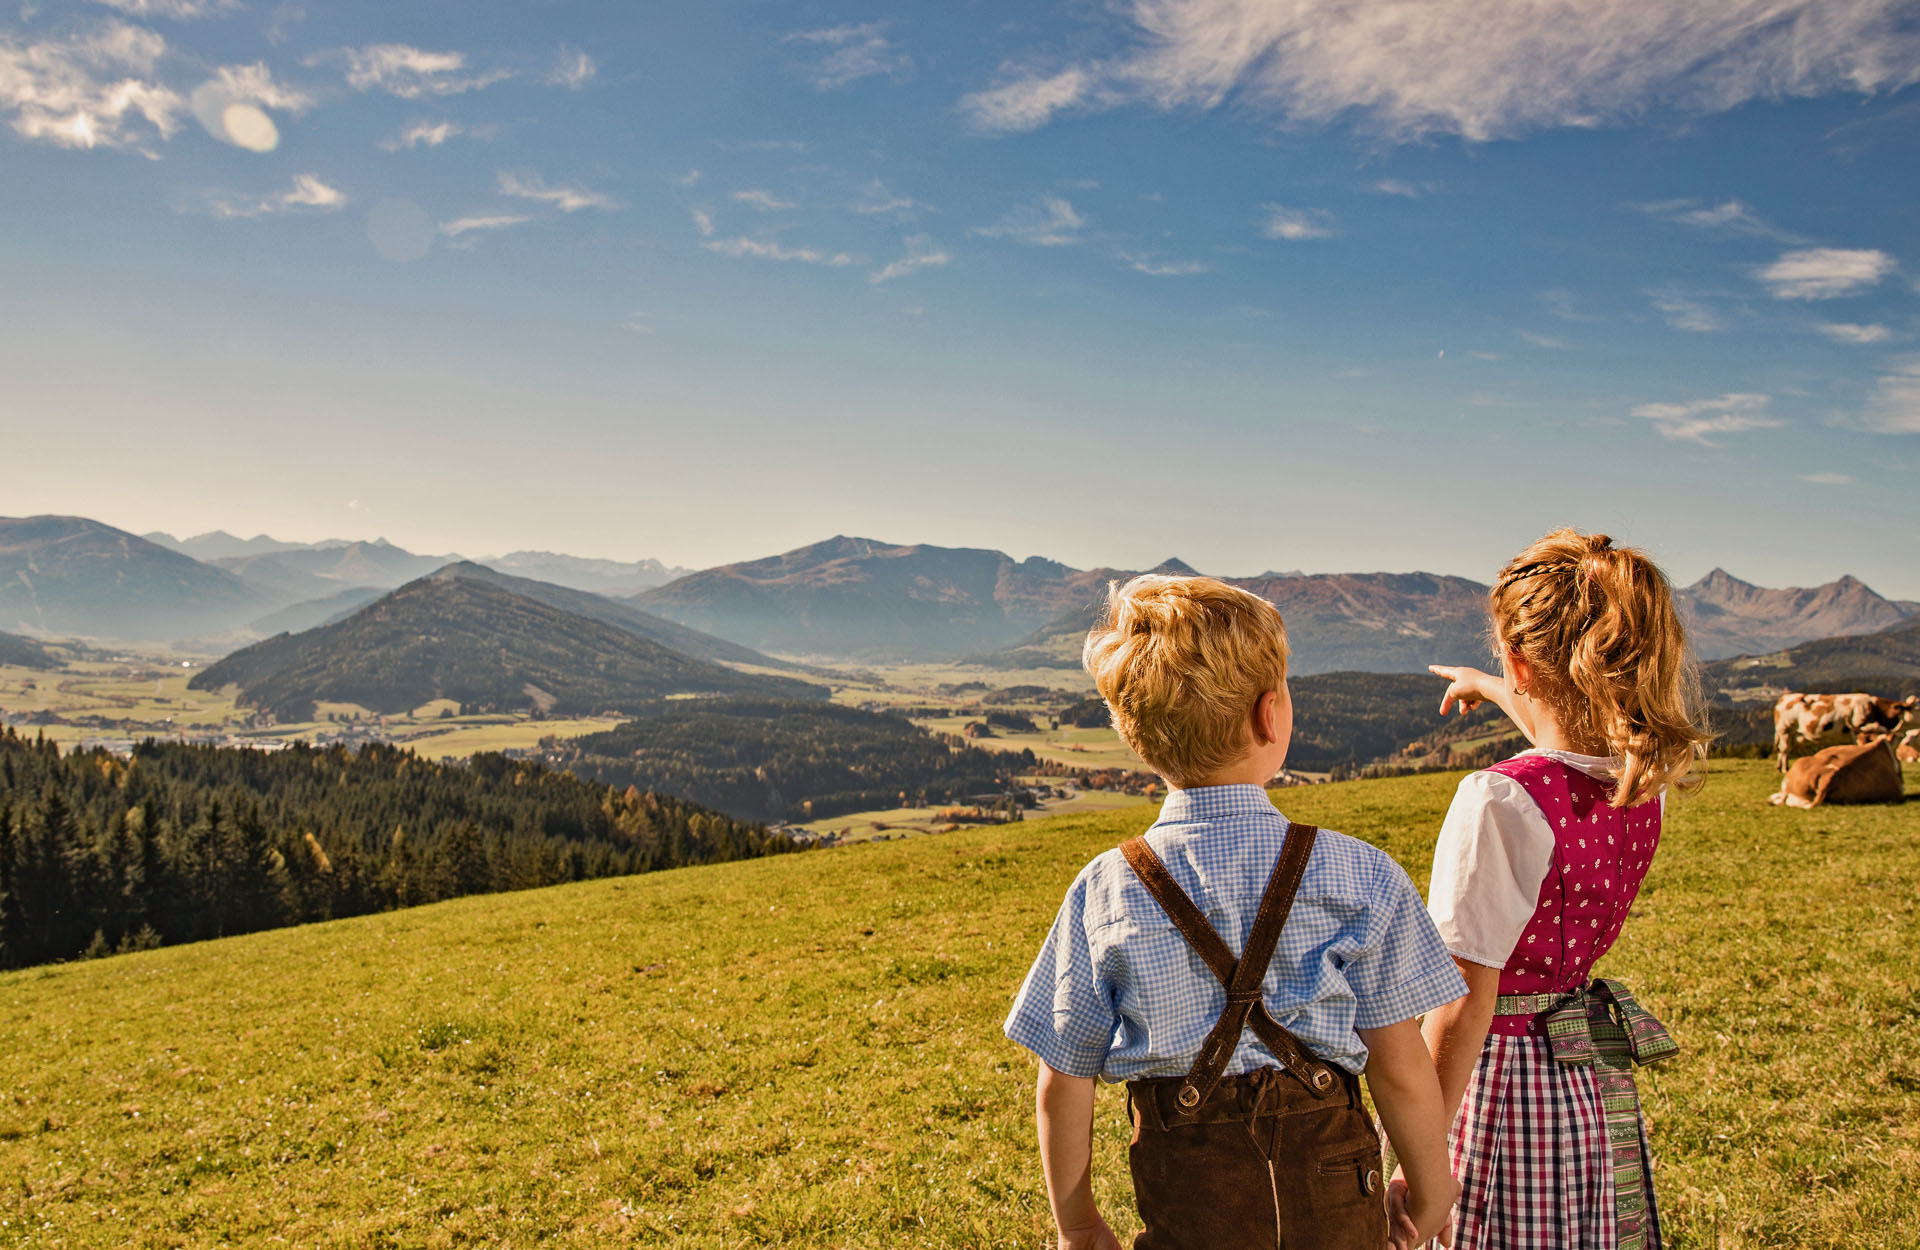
(805, 1050)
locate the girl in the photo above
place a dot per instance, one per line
(1536, 865)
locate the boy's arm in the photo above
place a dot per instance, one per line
(1063, 1113)
(1457, 1032)
(1406, 1092)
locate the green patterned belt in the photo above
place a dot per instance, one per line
(1603, 1025)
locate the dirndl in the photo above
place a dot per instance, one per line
(1531, 1152)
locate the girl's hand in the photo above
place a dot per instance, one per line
(1404, 1231)
(1468, 687)
(1094, 1236)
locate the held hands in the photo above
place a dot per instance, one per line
(1412, 1226)
(1468, 688)
(1094, 1236)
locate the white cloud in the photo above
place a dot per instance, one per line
(307, 194)
(850, 53)
(1686, 314)
(1826, 272)
(921, 254)
(688, 180)
(639, 321)
(1394, 186)
(566, 199)
(1027, 102)
(765, 249)
(422, 134)
(1894, 406)
(411, 73)
(177, 10)
(232, 106)
(763, 201)
(1162, 268)
(467, 225)
(1542, 340)
(1827, 479)
(876, 201)
(88, 91)
(1699, 419)
(703, 222)
(1049, 221)
(574, 70)
(1490, 69)
(1731, 216)
(1296, 224)
(1560, 303)
(1846, 332)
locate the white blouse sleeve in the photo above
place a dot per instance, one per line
(1493, 852)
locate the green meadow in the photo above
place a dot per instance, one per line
(805, 1050)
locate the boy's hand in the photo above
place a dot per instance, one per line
(1411, 1228)
(1468, 688)
(1094, 1236)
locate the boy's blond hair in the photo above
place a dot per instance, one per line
(1181, 661)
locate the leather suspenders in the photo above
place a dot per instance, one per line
(1243, 976)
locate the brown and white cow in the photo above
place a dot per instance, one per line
(1817, 719)
(1865, 773)
(1908, 752)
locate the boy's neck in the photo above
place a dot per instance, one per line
(1238, 773)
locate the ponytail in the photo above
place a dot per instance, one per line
(1598, 625)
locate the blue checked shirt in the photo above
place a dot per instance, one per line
(1117, 993)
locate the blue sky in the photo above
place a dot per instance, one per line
(1310, 285)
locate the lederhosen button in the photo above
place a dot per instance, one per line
(1373, 1181)
(1322, 1079)
(1189, 1097)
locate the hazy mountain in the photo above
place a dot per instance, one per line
(1728, 617)
(1885, 663)
(25, 653)
(857, 597)
(70, 575)
(602, 577)
(464, 638)
(295, 575)
(621, 615)
(323, 611)
(218, 544)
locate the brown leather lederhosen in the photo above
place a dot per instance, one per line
(1281, 1158)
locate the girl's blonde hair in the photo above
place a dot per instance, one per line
(1181, 661)
(1598, 625)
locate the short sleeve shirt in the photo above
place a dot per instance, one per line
(1117, 993)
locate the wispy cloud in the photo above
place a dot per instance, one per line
(1561, 303)
(763, 201)
(307, 194)
(922, 253)
(175, 10)
(1405, 190)
(1025, 101)
(422, 134)
(461, 226)
(410, 73)
(1827, 479)
(89, 90)
(876, 201)
(1050, 221)
(703, 222)
(849, 53)
(1537, 339)
(1698, 421)
(1683, 313)
(1826, 272)
(1847, 332)
(1490, 69)
(1162, 268)
(1296, 224)
(767, 249)
(231, 106)
(1894, 405)
(1730, 216)
(574, 70)
(568, 199)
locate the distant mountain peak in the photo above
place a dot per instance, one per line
(1174, 566)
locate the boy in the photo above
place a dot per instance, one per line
(1241, 1070)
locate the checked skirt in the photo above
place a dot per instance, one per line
(1531, 1151)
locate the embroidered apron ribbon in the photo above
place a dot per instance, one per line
(1603, 1025)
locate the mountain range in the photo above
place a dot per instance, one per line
(482, 639)
(846, 598)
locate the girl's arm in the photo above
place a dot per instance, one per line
(1063, 1113)
(1456, 1032)
(1400, 1076)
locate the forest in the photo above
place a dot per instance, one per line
(797, 761)
(178, 843)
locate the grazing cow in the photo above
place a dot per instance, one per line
(1908, 751)
(1866, 773)
(1815, 719)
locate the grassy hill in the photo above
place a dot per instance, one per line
(1884, 663)
(470, 640)
(806, 1051)
(25, 653)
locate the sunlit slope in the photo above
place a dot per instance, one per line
(805, 1050)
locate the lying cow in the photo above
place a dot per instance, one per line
(1866, 773)
(1908, 751)
(1814, 720)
